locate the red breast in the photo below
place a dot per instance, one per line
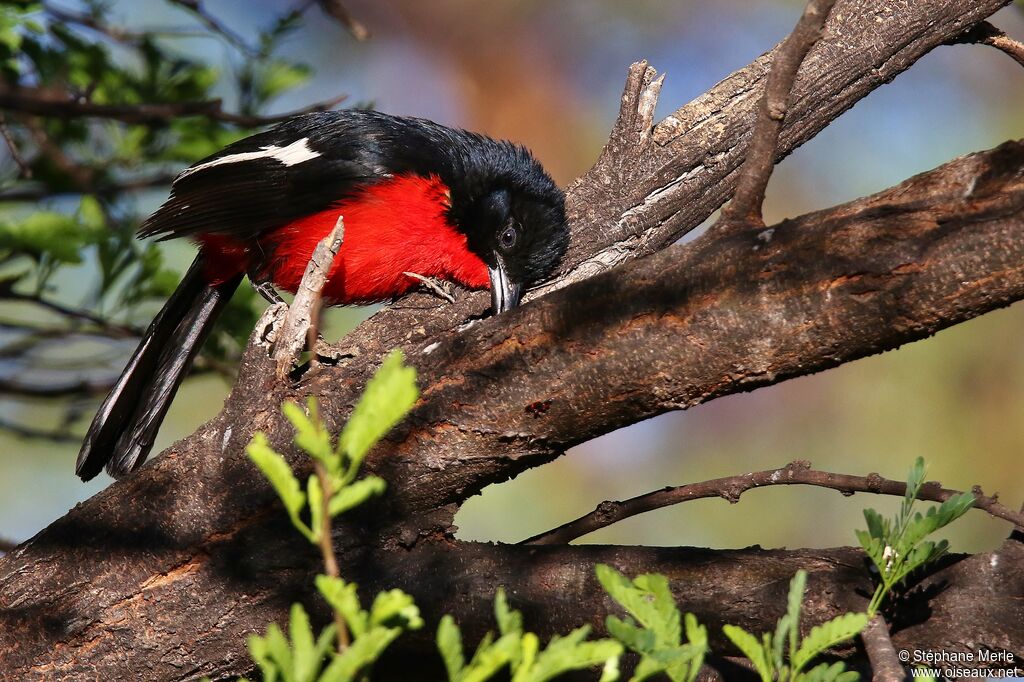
(395, 226)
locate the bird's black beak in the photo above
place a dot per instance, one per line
(505, 294)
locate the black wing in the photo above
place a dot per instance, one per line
(295, 169)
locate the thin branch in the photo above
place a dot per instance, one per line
(300, 323)
(113, 329)
(215, 25)
(986, 33)
(745, 207)
(79, 387)
(80, 176)
(337, 9)
(12, 146)
(36, 193)
(115, 33)
(326, 545)
(23, 431)
(885, 666)
(65, 105)
(732, 487)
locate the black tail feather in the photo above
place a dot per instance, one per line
(123, 430)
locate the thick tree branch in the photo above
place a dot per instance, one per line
(731, 488)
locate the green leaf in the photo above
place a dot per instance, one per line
(395, 608)
(364, 651)
(637, 639)
(310, 434)
(509, 621)
(825, 636)
(449, 643)
(259, 650)
(305, 662)
(492, 657)
(48, 233)
(315, 497)
(571, 652)
(277, 471)
(343, 598)
(792, 629)
(387, 399)
(355, 493)
(649, 599)
(90, 213)
(824, 672)
(750, 648)
(279, 76)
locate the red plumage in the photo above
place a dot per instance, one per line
(392, 227)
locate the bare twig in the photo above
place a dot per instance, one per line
(732, 487)
(80, 176)
(113, 329)
(78, 387)
(23, 431)
(12, 147)
(215, 25)
(745, 207)
(986, 33)
(115, 33)
(300, 320)
(37, 192)
(65, 105)
(337, 9)
(327, 546)
(885, 666)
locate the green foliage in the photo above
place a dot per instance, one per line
(520, 651)
(656, 632)
(300, 660)
(783, 656)
(898, 546)
(77, 195)
(387, 398)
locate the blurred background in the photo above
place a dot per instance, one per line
(547, 74)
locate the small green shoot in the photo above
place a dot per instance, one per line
(897, 546)
(783, 656)
(332, 489)
(656, 633)
(521, 653)
(387, 399)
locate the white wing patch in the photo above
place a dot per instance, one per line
(295, 153)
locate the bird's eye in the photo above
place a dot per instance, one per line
(508, 236)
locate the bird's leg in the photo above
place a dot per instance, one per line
(264, 286)
(438, 287)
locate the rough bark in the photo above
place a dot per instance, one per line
(162, 575)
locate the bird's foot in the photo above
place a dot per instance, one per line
(438, 287)
(268, 292)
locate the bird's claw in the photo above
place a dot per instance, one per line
(438, 287)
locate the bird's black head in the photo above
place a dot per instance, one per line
(513, 215)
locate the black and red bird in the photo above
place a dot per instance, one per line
(416, 197)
